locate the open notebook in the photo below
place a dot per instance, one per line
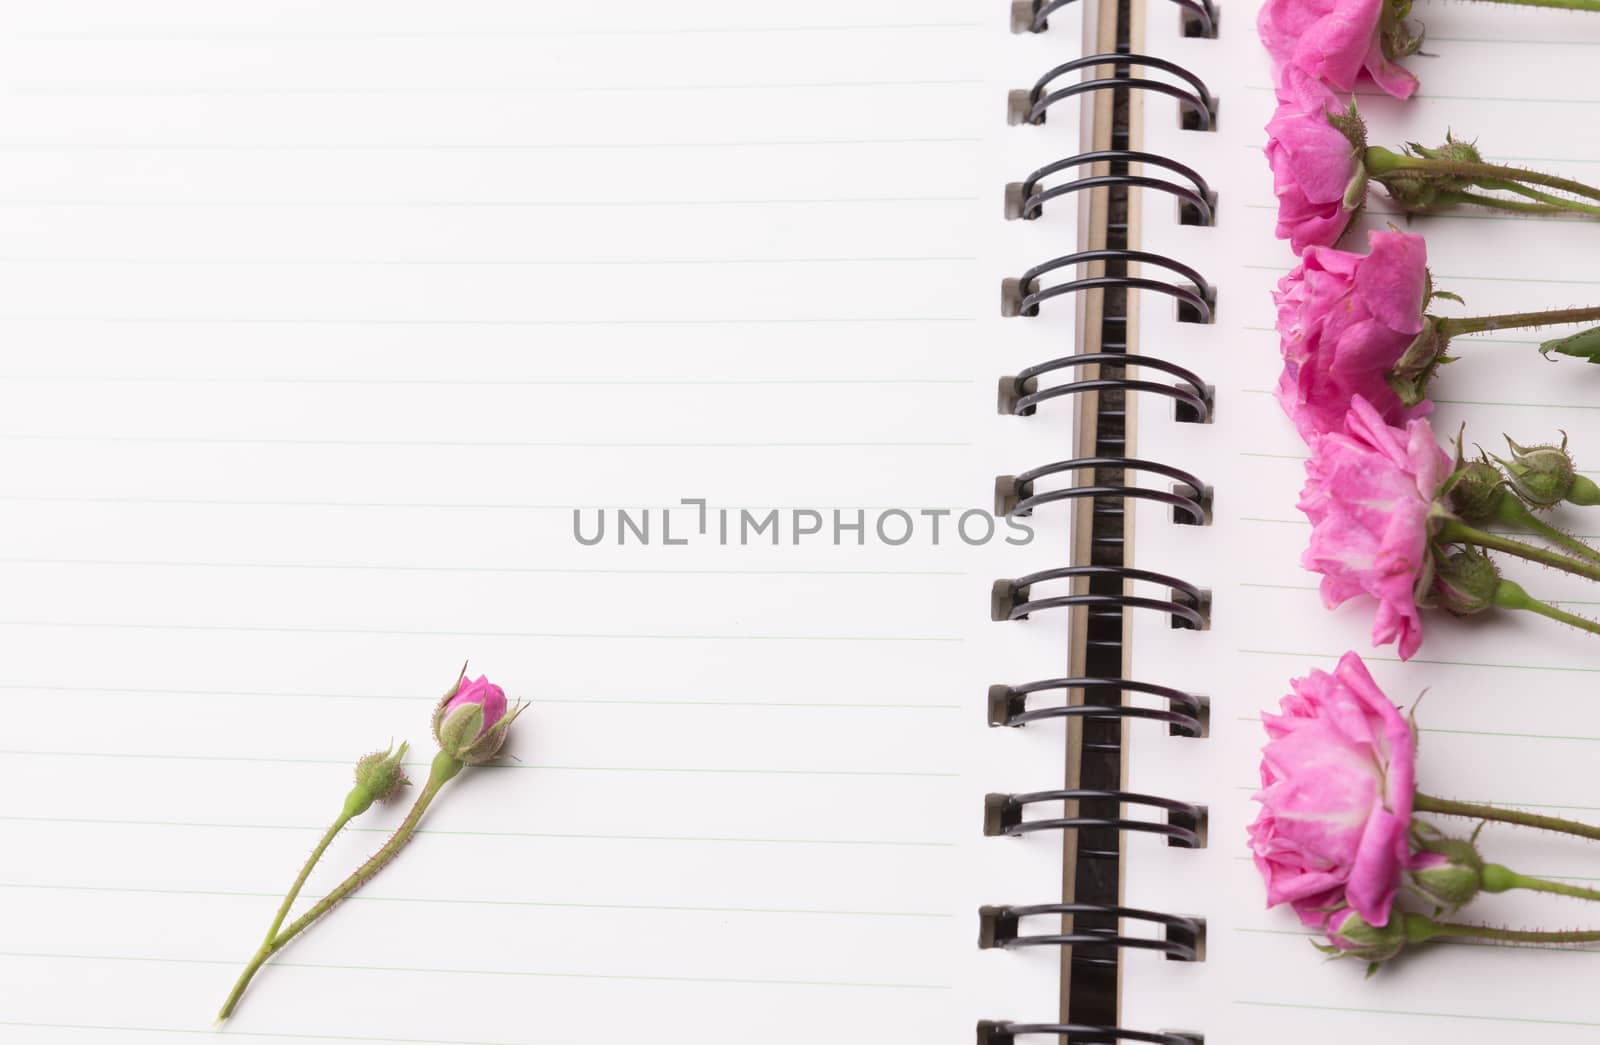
(647, 355)
(331, 329)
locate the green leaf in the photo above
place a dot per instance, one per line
(1585, 345)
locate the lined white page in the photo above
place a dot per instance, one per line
(319, 324)
(1509, 714)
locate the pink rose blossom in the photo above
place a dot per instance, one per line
(1339, 41)
(1369, 492)
(1337, 776)
(480, 691)
(1344, 320)
(1316, 170)
(467, 736)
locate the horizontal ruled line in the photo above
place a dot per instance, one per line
(533, 973)
(1390, 658)
(147, 756)
(507, 204)
(446, 382)
(217, 502)
(33, 687)
(540, 835)
(501, 33)
(507, 444)
(476, 322)
(377, 567)
(461, 901)
(1440, 1015)
(234, 1032)
(770, 143)
(136, 90)
(488, 262)
(423, 633)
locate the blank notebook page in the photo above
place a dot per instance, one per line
(1509, 714)
(321, 323)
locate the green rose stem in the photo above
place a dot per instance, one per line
(1516, 320)
(1455, 531)
(1511, 511)
(1446, 200)
(1565, 5)
(1424, 803)
(445, 767)
(1381, 163)
(1421, 929)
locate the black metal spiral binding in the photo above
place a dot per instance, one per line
(1021, 395)
(1182, 940)
(1184, 825)
(1014, 495)
(1033, 16)
(1196, 103)
(1026, 200)
(1004, 1032)
(1188, 605)
(1092, 925)
(1023, 296)
(1185, 714)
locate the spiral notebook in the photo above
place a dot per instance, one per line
(751, 389)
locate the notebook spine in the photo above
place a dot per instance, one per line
(1102, 483)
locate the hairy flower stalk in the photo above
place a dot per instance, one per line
(470, 722)
(1423, 179)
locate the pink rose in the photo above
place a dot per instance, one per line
(1317, 173)
(1344, 320)
(471, 721)
(484, 693)
(1339, 41)
(1369, 492)
(1337, 776)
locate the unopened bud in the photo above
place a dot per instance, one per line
(1476, 490)
(471, 720)
(1464, 581)
(379, 777)
(1447, 872)
(1352, 936)
(1541, 475)
(1416, 366)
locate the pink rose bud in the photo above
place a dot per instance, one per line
(1446, 872)
(1352, 936)
(1315, 153)
(1344, 321)
(1345, 42)
(1337, 785)
(1371, 493)
(472, 720)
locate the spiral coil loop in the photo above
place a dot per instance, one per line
(1026, 199)
(1182, 938)
(1021, 395)
(1015, 497)
(1195, 100)
(1023, 296)
(1183, 826)
(1188, 605)
(1185, 714)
